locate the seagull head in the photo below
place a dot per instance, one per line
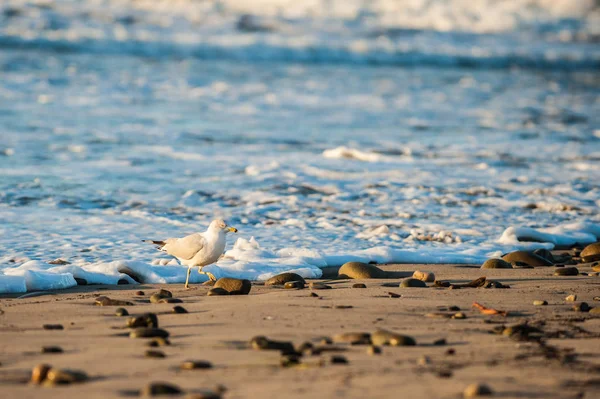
(219, 225)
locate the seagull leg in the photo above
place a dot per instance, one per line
(209, 274)
(188, 278)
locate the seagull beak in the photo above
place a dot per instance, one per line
(232, 229)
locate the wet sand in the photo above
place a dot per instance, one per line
(218, 328)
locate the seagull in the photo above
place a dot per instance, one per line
(198, 249)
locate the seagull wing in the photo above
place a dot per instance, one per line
(186, 247)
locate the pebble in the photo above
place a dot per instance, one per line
(359, 270)
(195, 365)
(571, 298)
(283, 278)
(496, 264)
(459, 315)
(475, 390)
(158, 342)
(319, 286)
(145, 320)
(121, 312)
(263, 343)
(294, 285)
(170, 300)
(591, 253)
(566, 271)
(234, 286)
(412, 283)
(596, 268)
(140, 293)
(353, 338)
(374, 350)
(427, 277)
(528, 258)
(154, 353)
(63, 376)
(39, 373)
(179, 309)
(394, 295)
(392, 285)
(384, 337)
(148, 332)
(217, 291)
(53, 327)
(539, 302)
(106, 301)
(596, 298)
(160, 388)
(337, 359)
(52, 349)
(359, 285)
(582, 307)
(595, 311)
(314, 295)
(440, 342)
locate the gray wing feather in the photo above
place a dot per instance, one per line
(186, 247)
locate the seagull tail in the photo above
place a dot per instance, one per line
(159, 243)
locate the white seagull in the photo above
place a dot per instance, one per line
(198, 249)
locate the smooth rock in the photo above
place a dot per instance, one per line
(106, 301)
(528, 258)
(353, 338)
(148, 332)
(145, 320)
(158, 342)
(53, 327)
(384, 337)
(155, 353)
(540, 302)
(319, 286)
(294, 285)
(544, 253)
(39, 373)
(121, 312)
(179, 309)
(160, 388)
(314, 295)
(595, 311)
(217, 291)
(283, 278)
(475, 390)
(591, 253)
(337, 359)
(359, 285)
(234, 286)
(582, 307)
(459, 316)
(596, 268)
(52, 349)
(427, 277)
(170, 300)
(359, 270)
(64, 376)
(566, 271)
(263, 343)
(496, 264)
(195, 365)
(393, 295)
(412, 283)
(140, 293)
(571, 298)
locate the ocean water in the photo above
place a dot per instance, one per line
(434, 132)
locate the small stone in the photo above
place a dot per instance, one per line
(155, 353)
(106, 301)
(217, 291)
(195, 365)
(337, 359)
(412, 283)
(391, 285)
(319, 286)
(158, 342)
(596, 298)
(591, 253)
(566, 271)
(539, 302)
(53, 327)
(440, 342)
(326, 341)
(80, 281)
(496, 264)
(571, 298)
(145, 320)
(427, 277)
(160, 388)
(165, 293)
(170, 300)
(359, 285)
(596, 268)
(140, 293)
(59, 261)
(179, 309)
(595, 311)
(314, 295)
(60, 377)
(121, 312)
(148, 332)
(394, 295)
(374, 350)
(263, 343)
(451, 352)
(582, 307)
(234, 286)
(384, 337)
(52, 349)
(459, 315)
(283, 278)
(359, 270)
(353, 338)
(289, 360)
(39, 373)
(528, 258)
(475, 390)
(294, 285)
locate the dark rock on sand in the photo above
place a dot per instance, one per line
(148, 332)
(539, 302)
(195, 365)
(61, 377)
(591, 253)
(582, 307)
(544, 253)
(39, 373)
(319, 286)
(263, 343)
(384, 337)
(158, 342)
(528, 258)
(81, 281)
(159, 389)
(297, 285)
(566, 271)
(106, 301)
(155, 353)
(140, 293)
(179, 309)
(217, 291)
(359, 270)
(337, 359)
(170, 300)
(496, 264)
(283, 278)
(393, 295)
(427, 277)
(353, 338)
(234, 286)
(521, 265)
(145, 320)
(52, 349)
(413, 283)
(359, 285)
(374, 350)
(53, 327)
(121, 312)
(475, 390)
(314, 295)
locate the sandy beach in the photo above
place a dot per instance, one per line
(561, 359)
